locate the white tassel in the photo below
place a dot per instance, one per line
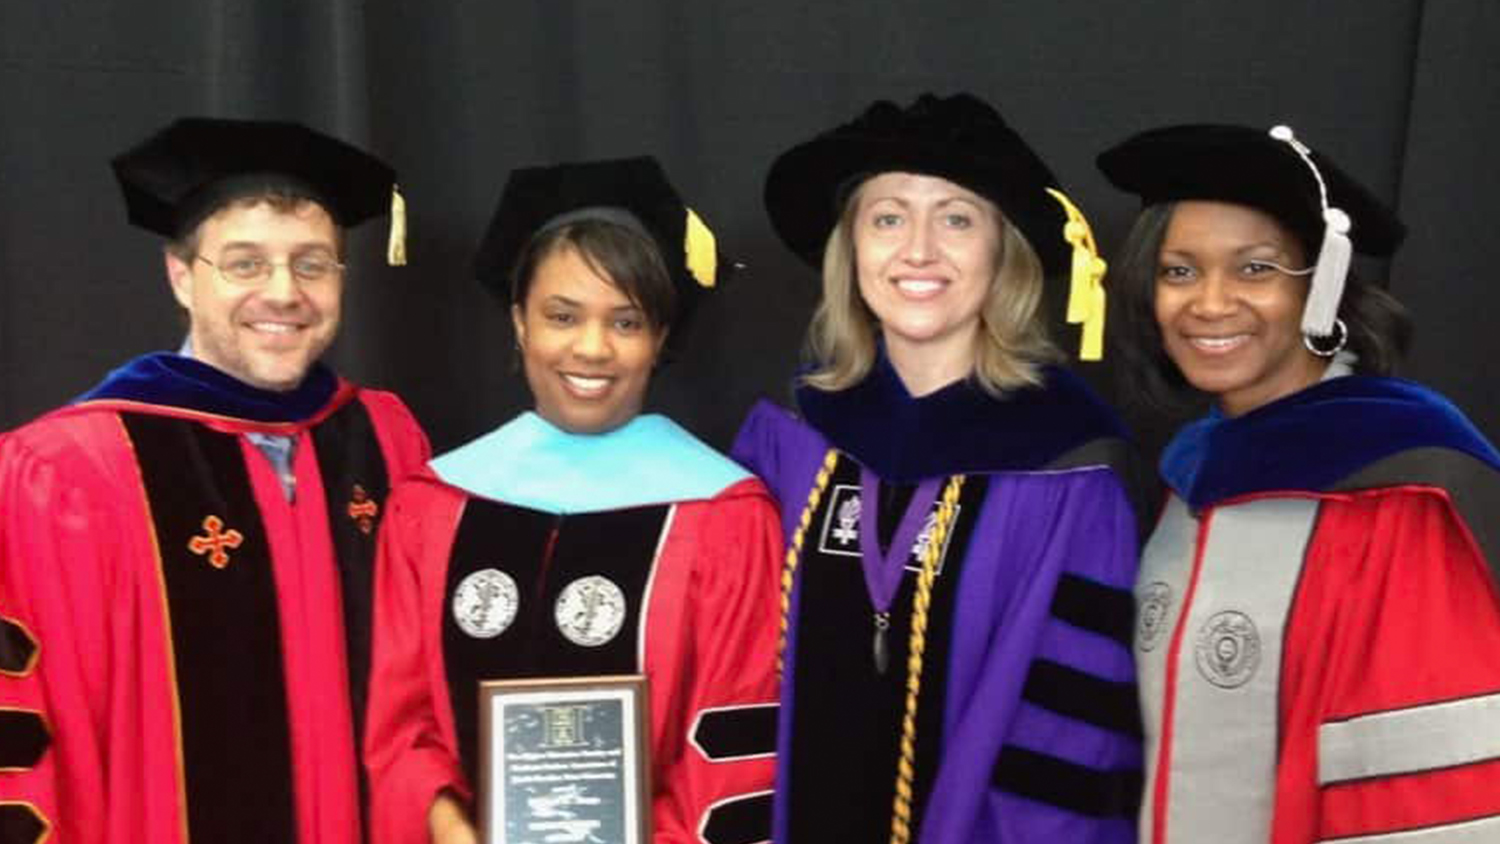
(1327, 288)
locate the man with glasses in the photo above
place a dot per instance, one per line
(186, 551)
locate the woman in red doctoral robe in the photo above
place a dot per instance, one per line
(1318, 625)
(582, 538)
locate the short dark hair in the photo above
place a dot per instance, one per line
(627, 258)
(1380, 327)
(282, 199)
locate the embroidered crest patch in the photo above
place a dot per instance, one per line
(1153, 611)
(590, 611)
(924, 538)
(485, 603)
(840, 533)
(363, 510)
(1228, 649)
(214, 541)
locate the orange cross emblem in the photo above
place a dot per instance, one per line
(215, 542)
(363, 510)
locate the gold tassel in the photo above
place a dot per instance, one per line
(1086, 301)
(702, 251)
(395, 247)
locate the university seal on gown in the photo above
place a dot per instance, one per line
(1228, 649)
(485, 603)
(590, 610)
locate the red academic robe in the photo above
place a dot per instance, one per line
(116, 686)
(1322, 662)
(707, 645)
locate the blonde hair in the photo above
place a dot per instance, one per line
(1013, 343)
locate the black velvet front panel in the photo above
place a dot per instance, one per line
(847, 719)
(355, 485)
(226, 632)
(542, 554)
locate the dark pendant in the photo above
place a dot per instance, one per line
(882, 655)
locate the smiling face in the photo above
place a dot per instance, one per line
(1230, 317)
(926, 252)
(587, 348)
(264, 334)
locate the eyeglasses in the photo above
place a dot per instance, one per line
(256, 269)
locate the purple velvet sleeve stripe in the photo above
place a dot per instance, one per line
(1043, 731)
(1076, 769)
(1034, 529)
(1025, 820)
(1057, 780)
(1085, 651)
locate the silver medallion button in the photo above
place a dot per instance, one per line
(590, 611)
(485, 603)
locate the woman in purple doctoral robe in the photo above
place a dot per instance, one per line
(956, 594)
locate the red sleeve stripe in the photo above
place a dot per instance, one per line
(1411, 740)
(1476, 831)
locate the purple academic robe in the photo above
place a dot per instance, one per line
(1027, 722)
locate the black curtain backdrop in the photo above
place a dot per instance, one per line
(1404, 93)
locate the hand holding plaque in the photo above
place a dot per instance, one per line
(448, 822)
(564, 760)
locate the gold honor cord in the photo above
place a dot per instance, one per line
(906, 764)
(794, 550)
(917, 646)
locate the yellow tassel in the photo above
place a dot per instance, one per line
(702, 251)
(1086, 301)
(1092, 344)
(395, 248)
